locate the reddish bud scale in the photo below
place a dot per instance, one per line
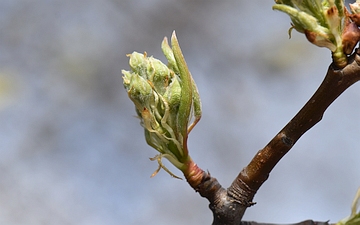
(193, 174)
(318, 40)
(350, 37)
(310, 36)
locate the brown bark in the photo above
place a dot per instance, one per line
(228, 206)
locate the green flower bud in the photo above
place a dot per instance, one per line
(138, 63)
(173, 93)
(159, 74)
(139, 90)
(323, 22)
(166, 100)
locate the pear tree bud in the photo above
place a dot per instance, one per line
(164, 96)
(325, 24)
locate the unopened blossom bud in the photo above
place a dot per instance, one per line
(159, 74)
(167, 102)
(323, 22)
(173, 93)
(139, 90)
(138, 63)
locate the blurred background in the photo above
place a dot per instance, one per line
(72, 151)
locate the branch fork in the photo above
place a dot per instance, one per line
(168, 104)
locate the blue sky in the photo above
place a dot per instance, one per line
(72, 151)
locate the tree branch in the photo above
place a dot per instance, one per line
(228, 206)
(334, 84)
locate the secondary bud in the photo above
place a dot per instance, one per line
(323, 23)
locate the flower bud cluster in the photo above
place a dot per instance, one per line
(325, 23)
(158, 92)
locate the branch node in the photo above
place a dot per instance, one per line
(241, 193)
(286, 140)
